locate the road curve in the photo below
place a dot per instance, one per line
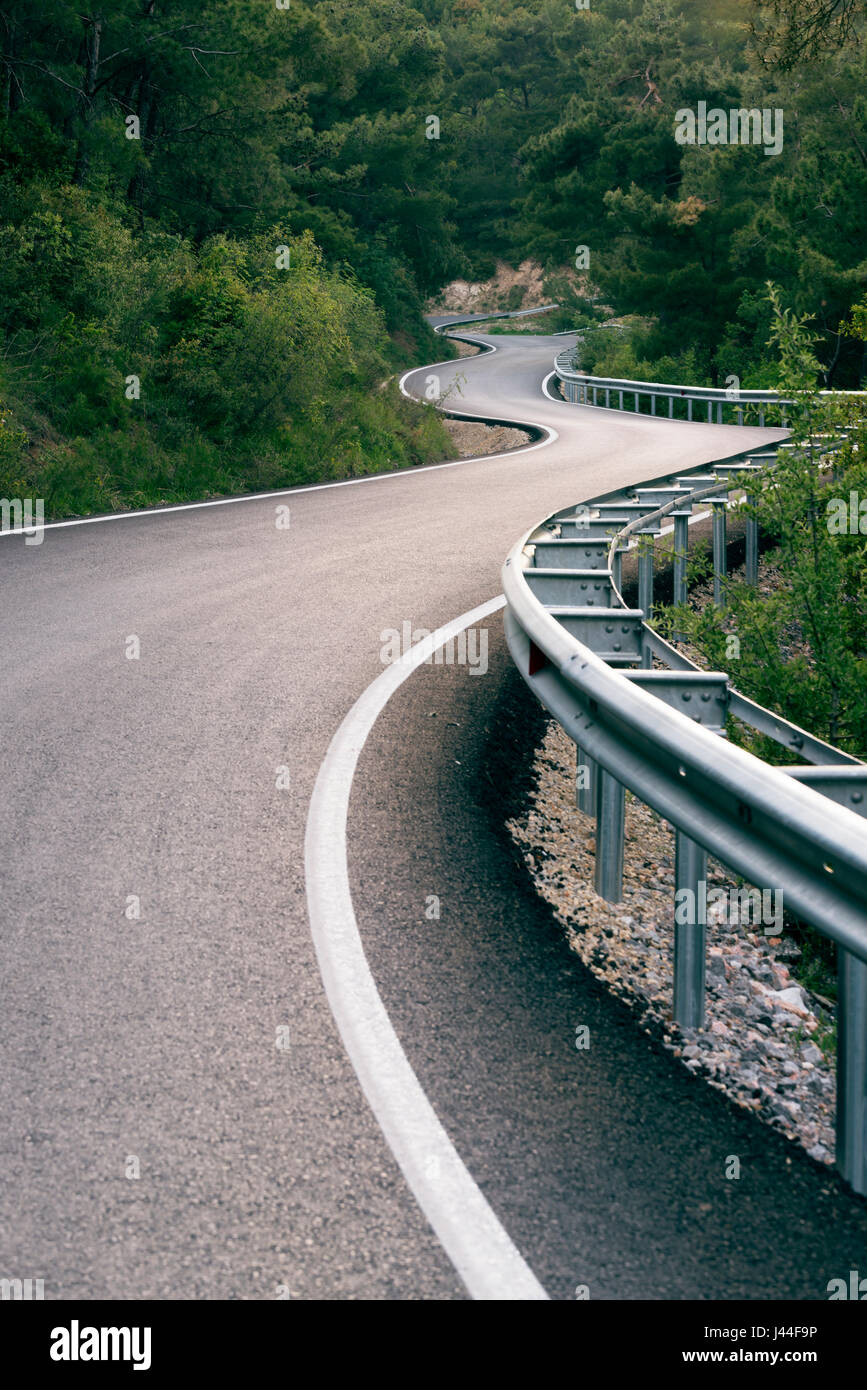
(163, 1137)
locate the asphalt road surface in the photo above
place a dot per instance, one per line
(181, 1118)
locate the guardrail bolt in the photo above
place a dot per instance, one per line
(610, 816)
(690, 933)
(852, 1069)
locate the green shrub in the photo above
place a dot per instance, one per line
(139, 369)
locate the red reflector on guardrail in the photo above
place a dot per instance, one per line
(538, 660)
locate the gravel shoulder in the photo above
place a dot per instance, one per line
(765, 1040)
(475, 440)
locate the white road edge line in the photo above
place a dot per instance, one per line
(474, 1240)
(546, 392)
(552, 434)
(477, 1244)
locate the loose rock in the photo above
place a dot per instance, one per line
(753, 1046)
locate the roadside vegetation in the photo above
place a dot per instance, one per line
(155, 157)
(797, 643)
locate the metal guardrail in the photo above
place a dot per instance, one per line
(661, 733)
(583, 389)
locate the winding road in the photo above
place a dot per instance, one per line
(182, 1116)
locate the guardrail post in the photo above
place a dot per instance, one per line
(621, 400)
(645, 591)
(610, 816)
(637, 406)
(607, 397)
(681, 555)
(594, 395)
(719, 413)
(719, 550)
(740, 411)
(680, 596)
(585, 791)
(645, 579)
(762, 418)
(752, 540)
(617, 568)
(689, 408)
(710, 412)
(671, 407)
(689, 933)
(852, 1069)
(652, 403)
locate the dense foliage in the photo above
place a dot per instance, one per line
(155, 154)
(799, 644)
(209, 229)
